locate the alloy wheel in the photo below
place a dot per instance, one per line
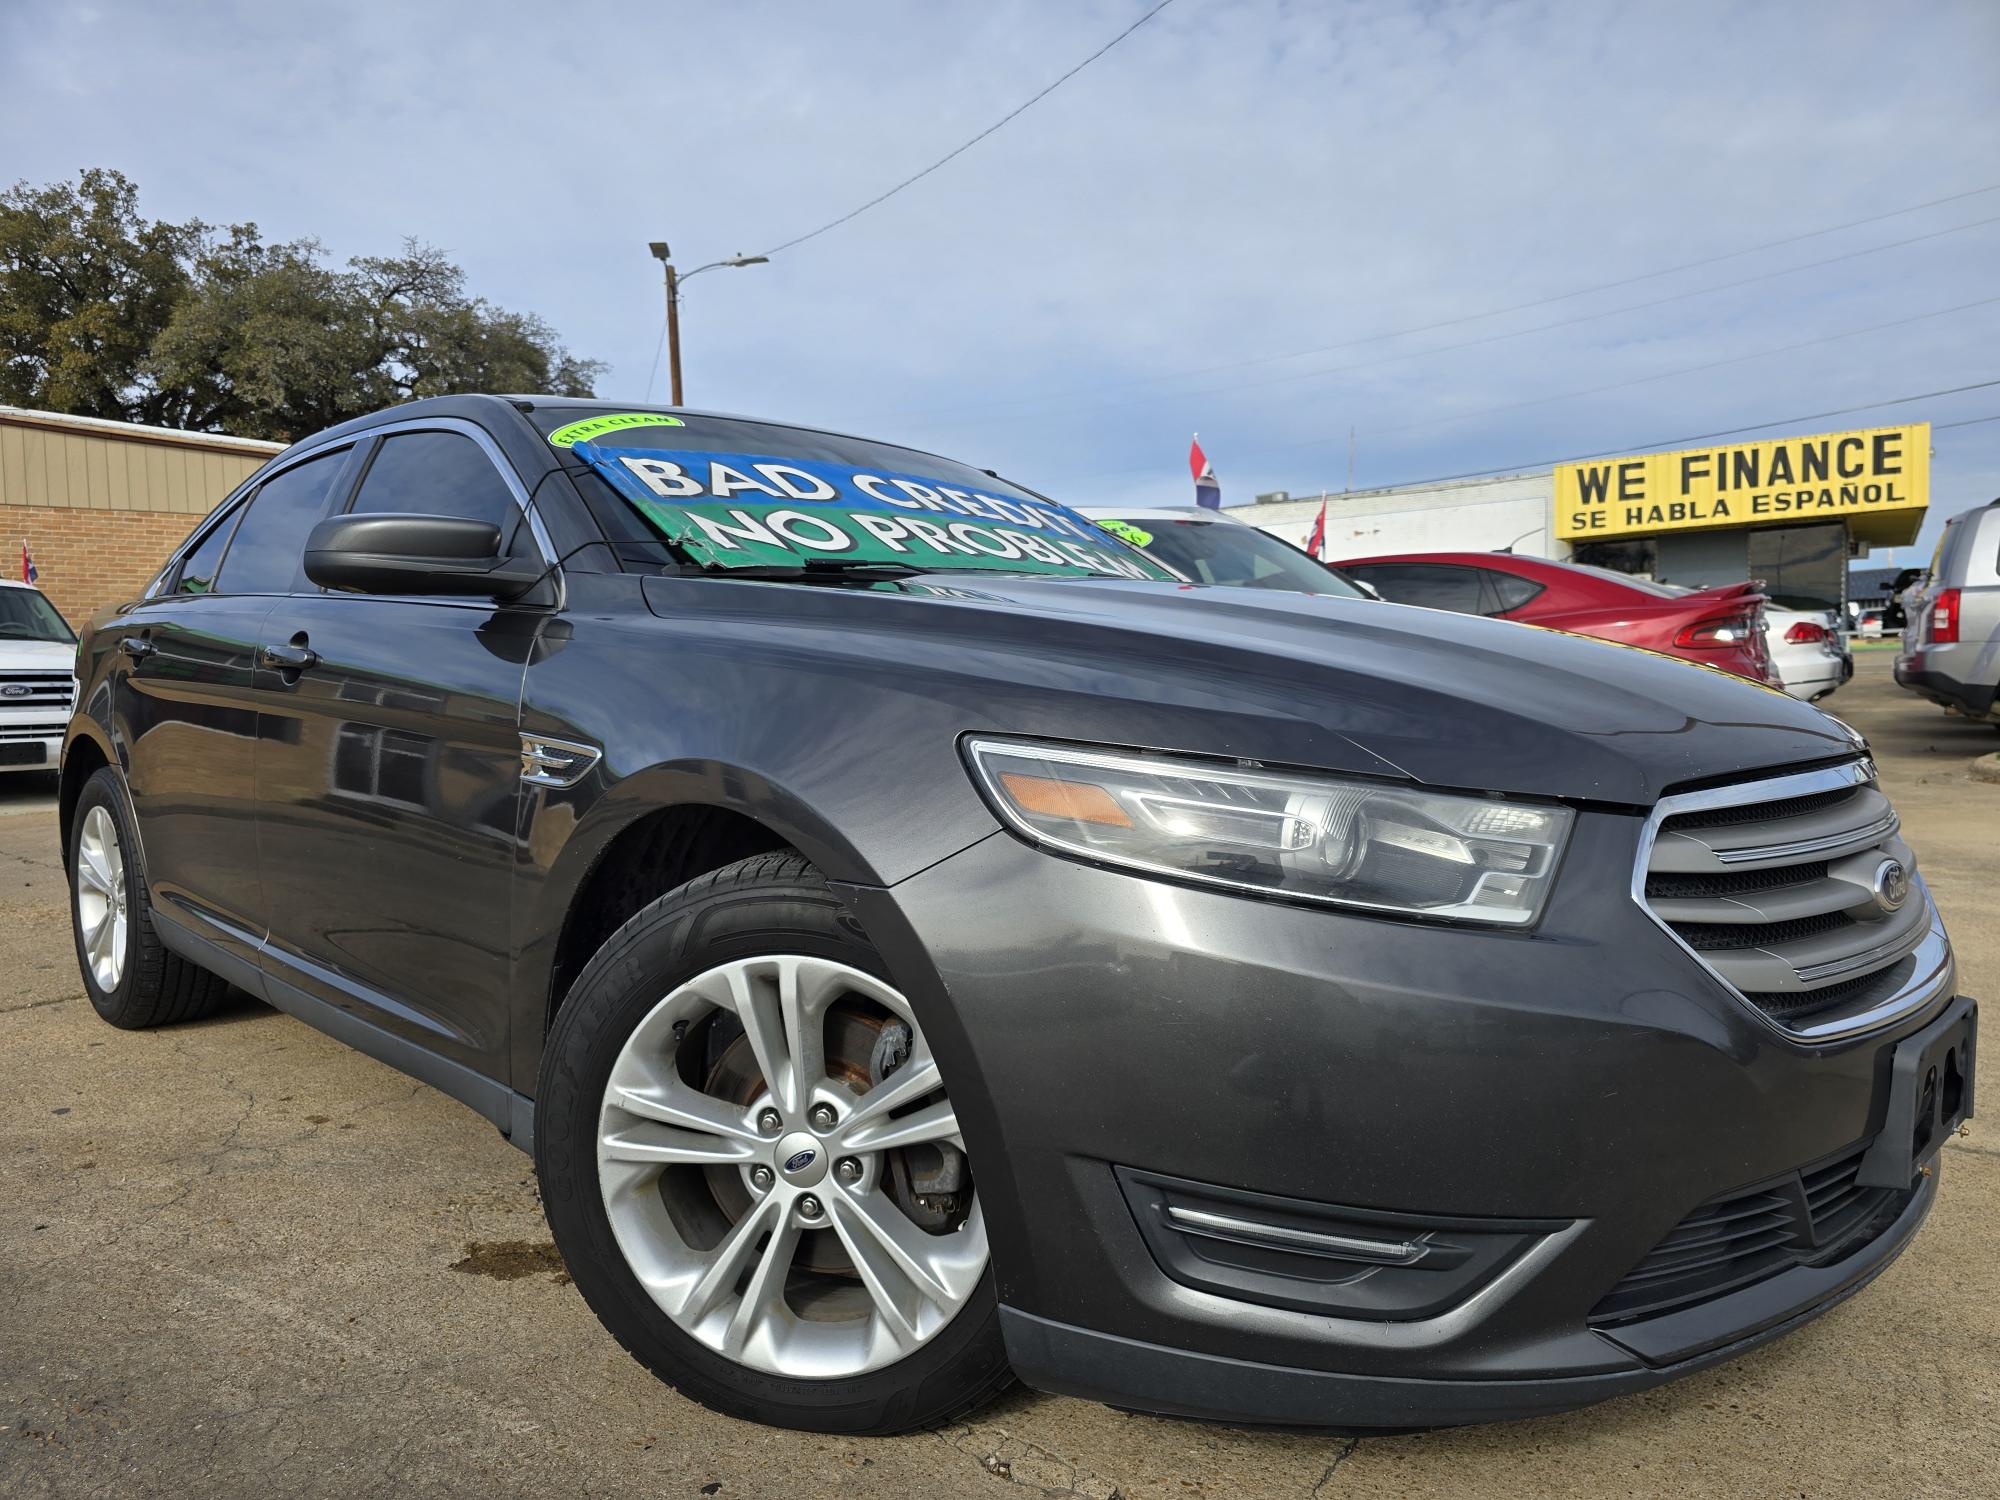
(783, 1173)
(100, 898)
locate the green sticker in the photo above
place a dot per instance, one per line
(577, 432)
(1125, 531)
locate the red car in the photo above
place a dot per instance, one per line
(1718, 627)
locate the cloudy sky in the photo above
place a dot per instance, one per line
(1267, 220)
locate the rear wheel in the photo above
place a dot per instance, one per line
(753, 1170)
(132, 980)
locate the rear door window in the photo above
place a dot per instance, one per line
(1432, 585)
(198, 568)
(267, 554)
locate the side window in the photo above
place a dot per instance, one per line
(198, 567)
(1507, 592)
(1432, 585)
(268, 552)
(439, 474)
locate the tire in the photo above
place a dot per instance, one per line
(798, 1368)
(133, 981)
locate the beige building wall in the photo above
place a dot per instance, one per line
(100, 504)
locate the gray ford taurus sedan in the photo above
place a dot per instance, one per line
(925, 942)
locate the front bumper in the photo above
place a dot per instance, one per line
(1587, 1084)
(29, 747)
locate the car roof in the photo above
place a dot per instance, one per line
(1156, 513)
(15, 583)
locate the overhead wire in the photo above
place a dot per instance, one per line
(1018, 110)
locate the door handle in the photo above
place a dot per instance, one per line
(137, 647)
(293, 658)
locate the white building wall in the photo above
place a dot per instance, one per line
(1467, 515)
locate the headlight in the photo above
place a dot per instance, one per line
(1372, 845)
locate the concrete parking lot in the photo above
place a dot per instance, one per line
(239, 1259)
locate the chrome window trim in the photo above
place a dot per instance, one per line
(1935, 972)
(292, 457)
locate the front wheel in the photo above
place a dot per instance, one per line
(753, 1170)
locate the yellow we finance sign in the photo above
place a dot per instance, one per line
(1878, 478)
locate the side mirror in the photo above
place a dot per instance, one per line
(404, 554)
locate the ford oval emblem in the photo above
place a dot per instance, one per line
(798, 1161)
(1892, 884)
(15, 690)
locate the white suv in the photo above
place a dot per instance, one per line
(37, 690)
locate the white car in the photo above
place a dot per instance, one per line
(37, 655)
(1805, 645)
(1212, 546)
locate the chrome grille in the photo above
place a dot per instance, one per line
(37, 690)
(1773, 886)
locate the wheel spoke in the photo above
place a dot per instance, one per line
(934, 1122)
(677, 1104)
(907, 1247)
(881, 1278)
(727, 1260)
(757, 1006)
(805, 1028)
(765, 1294)
(90, 876)
(909, 1083)
(96, 867)
(650, 1143)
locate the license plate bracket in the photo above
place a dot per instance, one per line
(1930, 1096)
(30, 753)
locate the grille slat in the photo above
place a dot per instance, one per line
(44, 690)
(1773, 893)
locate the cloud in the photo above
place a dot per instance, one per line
(1235, 180)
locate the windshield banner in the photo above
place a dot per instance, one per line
(738, 510)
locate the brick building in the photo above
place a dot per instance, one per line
(100, 504)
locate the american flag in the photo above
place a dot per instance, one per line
(29, 572)
(1206, 491)
(1316, 543)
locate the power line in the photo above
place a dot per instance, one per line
(1375, 338)
(1700, 437)
(967, 146)
(1502, 337)
(1968, 422)
(1716, 364)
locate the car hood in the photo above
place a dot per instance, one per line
(1342, 684)
(34, 656)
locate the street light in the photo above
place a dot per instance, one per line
(674, 280)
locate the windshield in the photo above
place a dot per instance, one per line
(26, 615)
(729, 493)
(1227, 553)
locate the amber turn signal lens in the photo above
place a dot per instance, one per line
(1046, 797)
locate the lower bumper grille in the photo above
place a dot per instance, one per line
(1809, 1217)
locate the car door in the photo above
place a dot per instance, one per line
(186, 707)
(390, 780)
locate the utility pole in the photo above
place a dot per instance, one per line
(674, 278)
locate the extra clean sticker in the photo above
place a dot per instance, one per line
(1125, 531)
(592, 427)
(749, 510)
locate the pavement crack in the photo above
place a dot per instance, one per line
(1338, 1459)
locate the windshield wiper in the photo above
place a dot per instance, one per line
(829, 569)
